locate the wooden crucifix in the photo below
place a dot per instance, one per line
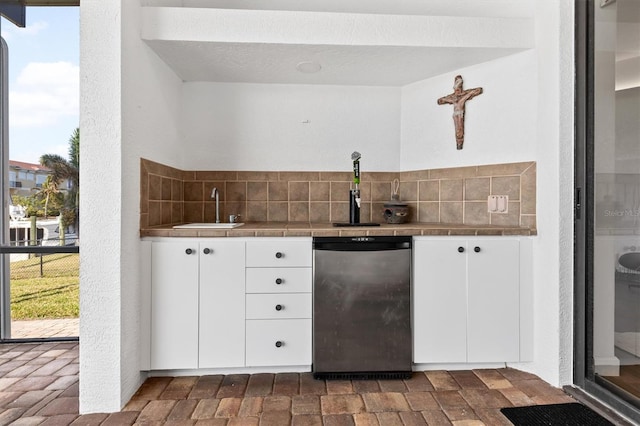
(458, 99)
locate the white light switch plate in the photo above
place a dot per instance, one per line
(498, 204)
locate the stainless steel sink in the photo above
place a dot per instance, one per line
(205, 225)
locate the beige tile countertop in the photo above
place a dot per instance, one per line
(305, 229)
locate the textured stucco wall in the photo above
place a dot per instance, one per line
(150, 123)
(566, 182)
(129, 109)
(553, 247)
(100, 206)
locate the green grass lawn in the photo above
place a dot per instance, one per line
(55, 294)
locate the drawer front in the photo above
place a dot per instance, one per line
(279, 280)
(278, 342)
(278, 306)
(274, 253)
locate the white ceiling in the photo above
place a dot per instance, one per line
(340, 65)
(226, 59)
(393, 59)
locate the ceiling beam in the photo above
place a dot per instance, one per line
(14, 10)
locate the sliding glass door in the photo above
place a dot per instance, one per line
(608, 193)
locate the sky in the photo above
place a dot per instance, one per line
(44, 92)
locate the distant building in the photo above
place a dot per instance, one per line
(27, 178)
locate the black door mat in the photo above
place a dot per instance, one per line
(572, 414)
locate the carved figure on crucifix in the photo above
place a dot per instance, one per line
(458, 99)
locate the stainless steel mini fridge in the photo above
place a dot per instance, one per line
(362, 307)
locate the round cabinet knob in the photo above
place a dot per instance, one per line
(279, 281)
(279, 344)
(189, 251)
(279, 307)
(207, 251)
(460, 249)
(279, 255)
(476, 249)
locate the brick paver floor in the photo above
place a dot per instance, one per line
(39, 386)
(45, 328)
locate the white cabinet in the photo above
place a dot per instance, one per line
(278, 252)
(278, 306)
(279, 342)
(232, 303)
(466, 300)
(493, 300)
(279, 280)
(439, 302)
(222, 305)
(197, 304)
(209, 309)
(278, 301)
(174, 305)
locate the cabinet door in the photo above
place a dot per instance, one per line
(278, 342)
(222, 305)
(282, 252)
(493, 325)
(174, 305)
(278, 306)
(279, 280)
(439, 301)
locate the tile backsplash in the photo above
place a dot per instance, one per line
(457, 195)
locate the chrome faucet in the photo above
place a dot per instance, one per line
(215, 194)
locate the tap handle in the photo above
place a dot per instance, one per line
(356, 171)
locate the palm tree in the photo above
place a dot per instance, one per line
(48, 189)
(62, 169)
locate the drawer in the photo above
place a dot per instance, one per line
(278, 306)
(279, 280)
(278, 342)
(279, 252)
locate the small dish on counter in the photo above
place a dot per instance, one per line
(205, 225)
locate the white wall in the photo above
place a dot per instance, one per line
(231, 126)
(100, 180)
(553, 247)
(524, 114)
(124, 117)
(500, 124)
(236, 126)
(563, 73)
(150, 129)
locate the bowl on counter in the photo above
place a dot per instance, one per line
(396, 212)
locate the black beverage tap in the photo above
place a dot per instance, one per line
(354, 193)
